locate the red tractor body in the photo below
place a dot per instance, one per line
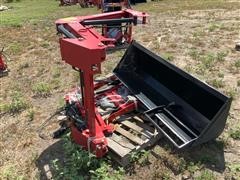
(3, 65)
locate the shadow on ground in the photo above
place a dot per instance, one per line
(44, 162)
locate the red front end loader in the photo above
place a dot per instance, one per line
(146, 98)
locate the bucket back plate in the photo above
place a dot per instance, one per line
(186, 110)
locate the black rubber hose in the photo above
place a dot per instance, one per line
(108, 21)
(63, 30)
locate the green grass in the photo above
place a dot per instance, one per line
(194, 54)
(45, 45)
(168, 56)
(234, 167)
(16, 105)
(232, 92)
(41, 89)
(9, 172)
(212, 27)
(55, 83)
(27, 11)
(33, 11)
(217, 83)
(180, 5)
(221, 75)
(56, 72)
(208, 60)
(15, 47)
(221, 56)
(237, 64)
(30, 114)
(199, 32)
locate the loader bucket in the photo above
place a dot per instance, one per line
(186, 110)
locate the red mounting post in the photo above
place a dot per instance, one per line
(85, 49)
(3, 65)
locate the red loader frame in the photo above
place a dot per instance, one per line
(85, 49)
(116, 26)
(3, 65)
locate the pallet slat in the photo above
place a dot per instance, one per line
(144, 126)
(122, 141)
(135, 137)
(137, 128)
(117, 148)
(130, 136)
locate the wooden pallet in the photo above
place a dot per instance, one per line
(131, 135)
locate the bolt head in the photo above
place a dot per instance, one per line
(100, 44)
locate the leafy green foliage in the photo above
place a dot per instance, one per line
(206, 175)
(234, 170)
(104, 173)
(235, 167)
(235, 134)
(193, 167)
(79, 164)
(140, 157)
(144, 157)
(31, 114)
